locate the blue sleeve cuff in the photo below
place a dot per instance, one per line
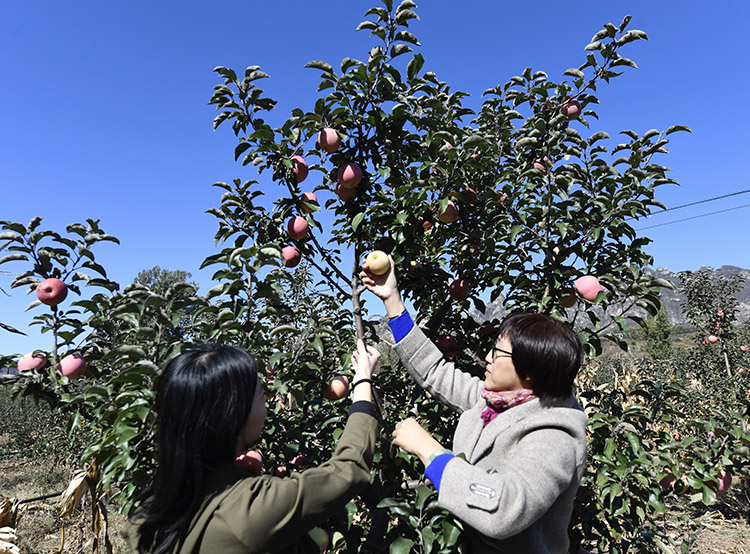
(434, 471)
(401, 326)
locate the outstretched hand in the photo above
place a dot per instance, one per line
(384, 287)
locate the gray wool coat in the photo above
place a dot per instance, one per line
(516, 487)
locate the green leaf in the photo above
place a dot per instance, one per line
(317, 344)
(14, 257)
(399, 49)
(573, 72)
(357, 220)
(406, 36)
(401, 546)
(318, 64)
(367, 25)
(474, 141)
(675, 128)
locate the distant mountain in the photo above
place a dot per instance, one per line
(672, 300)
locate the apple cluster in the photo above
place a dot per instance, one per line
(348, 177)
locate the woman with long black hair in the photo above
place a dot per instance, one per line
(210, 406)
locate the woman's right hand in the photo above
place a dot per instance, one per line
(384, 287)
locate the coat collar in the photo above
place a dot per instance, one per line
(477, 439)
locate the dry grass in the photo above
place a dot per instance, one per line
(39, 526)
(726, 526)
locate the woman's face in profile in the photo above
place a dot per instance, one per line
(252, 428)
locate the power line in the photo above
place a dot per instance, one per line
(701, 202)
(694, 217)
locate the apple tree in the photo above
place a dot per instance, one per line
(520, 199)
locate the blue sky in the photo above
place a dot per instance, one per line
(105, 114)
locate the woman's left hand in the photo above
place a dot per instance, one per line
(413, 438)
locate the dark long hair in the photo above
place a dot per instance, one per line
(203, 399)
(544, 349)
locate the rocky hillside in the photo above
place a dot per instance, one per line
(672, 299)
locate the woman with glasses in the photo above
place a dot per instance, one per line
(210, 406)
(521, 432)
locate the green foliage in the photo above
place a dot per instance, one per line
(553, 202)
(657, 331)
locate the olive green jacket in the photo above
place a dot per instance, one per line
(258, 514)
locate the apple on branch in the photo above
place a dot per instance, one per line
(349, 175)
(337, 388)
(459, 290)
(72, 366)
(329, 140)
(250, 460)
(309, 201)
(588, 287)
(449, 214)
(299, 166)
(448, 346)
(571, 109)
(297, 227)
(31, 361)
(292, 256)
(51, 291)
(345, 194)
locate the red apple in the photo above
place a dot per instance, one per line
(725, 481)
(349, 175)
(744, 348)
(378, 262)
(449, 214)
(72, 366)
(337, 388)
(589, 287)
(297, 227)
(346, 194)
(51, 291)
(309, 202)
(712, 338)
(568, 298)
(278, 471)
(448, 346)
(292, 256)
(299, 166)
(459, 290)
(32, 361)
(426, 224)
(329, 140)
(676, 436)
(669, 479)
(250, 460)
(299, 461)
(571, 109)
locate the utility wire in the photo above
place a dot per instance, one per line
(701, 202)
(694, 217)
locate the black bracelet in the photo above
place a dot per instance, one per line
(391, 318)
(362, 381)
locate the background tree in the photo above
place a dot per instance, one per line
(657, 332)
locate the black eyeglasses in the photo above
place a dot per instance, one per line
(495, 349)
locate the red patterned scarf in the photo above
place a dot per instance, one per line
(499, 401)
